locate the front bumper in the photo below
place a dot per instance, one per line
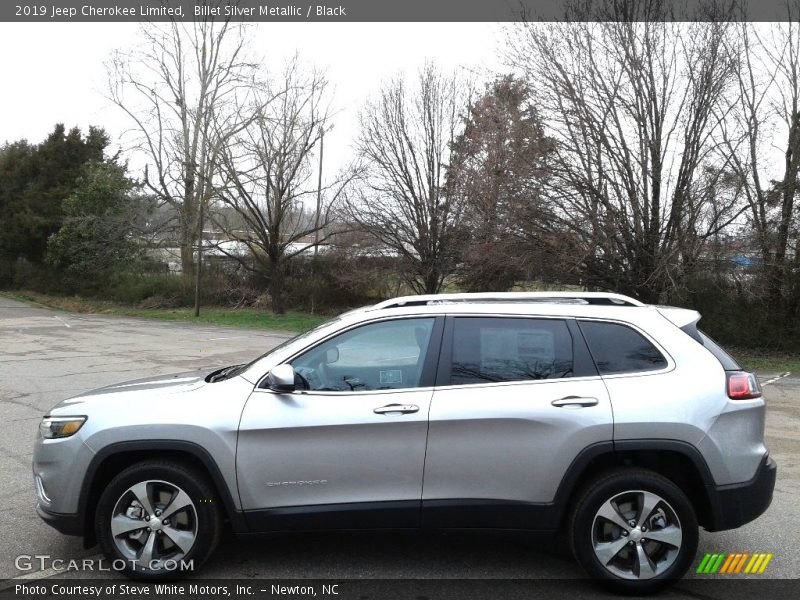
(66, 524)
(734, 505)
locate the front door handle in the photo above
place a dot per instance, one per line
(396, 409)
(575, 401)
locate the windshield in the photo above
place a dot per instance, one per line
(243, 368)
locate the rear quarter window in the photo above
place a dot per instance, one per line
(725, 359)
(618, 348)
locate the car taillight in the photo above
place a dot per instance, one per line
(743, 386)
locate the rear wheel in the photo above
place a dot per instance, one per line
(158, 520)
(634, 530)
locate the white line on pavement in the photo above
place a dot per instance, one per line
(774, 379)
(63, 322)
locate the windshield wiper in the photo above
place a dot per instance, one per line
(223, 374)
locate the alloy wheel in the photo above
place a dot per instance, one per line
(153, 523)
(636, 535)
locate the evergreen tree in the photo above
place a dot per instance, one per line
(34, 181)
(94, 240)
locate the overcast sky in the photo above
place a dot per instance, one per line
(53, 72)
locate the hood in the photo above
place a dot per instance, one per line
(177, 382)
(161, 386)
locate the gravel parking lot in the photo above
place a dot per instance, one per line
(49, 355)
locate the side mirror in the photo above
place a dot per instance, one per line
(281, 379)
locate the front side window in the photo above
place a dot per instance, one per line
(379, 356)
(489, 350)
(620, 349)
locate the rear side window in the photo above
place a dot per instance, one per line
(510, 349)
(620, 349)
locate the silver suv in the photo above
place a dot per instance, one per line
(618, 423)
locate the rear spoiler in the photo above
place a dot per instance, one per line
(684, 319)
(681, 317)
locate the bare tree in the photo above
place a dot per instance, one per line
(177, 88)
(633, 105)
(265, 177)
(404, 201)
(498, 167)
(763, 138)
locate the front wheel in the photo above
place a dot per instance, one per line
(158, 520)
(634, 530)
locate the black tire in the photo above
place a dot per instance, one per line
(204, 517)
(624, 486)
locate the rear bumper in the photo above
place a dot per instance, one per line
(734, 505)
(66, 524)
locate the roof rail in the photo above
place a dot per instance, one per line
(595, 298)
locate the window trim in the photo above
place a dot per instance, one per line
(582, 359)
(428, 368)
(670, 366)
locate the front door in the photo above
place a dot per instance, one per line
(347, 449)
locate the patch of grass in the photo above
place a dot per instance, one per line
(766, 361)
(238, 317)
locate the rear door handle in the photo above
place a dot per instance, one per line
(396, 409)
(575, 401)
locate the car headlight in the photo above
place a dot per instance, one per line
(60, 427)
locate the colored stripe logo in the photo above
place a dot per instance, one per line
(734, 563)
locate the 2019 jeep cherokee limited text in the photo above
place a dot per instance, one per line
(618, 423)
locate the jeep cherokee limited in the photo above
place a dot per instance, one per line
(618, 423)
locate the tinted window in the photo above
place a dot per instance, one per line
(509, 349)
(379, 356)
(620, 349)
(725, 359)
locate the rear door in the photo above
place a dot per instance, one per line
(516, 400)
